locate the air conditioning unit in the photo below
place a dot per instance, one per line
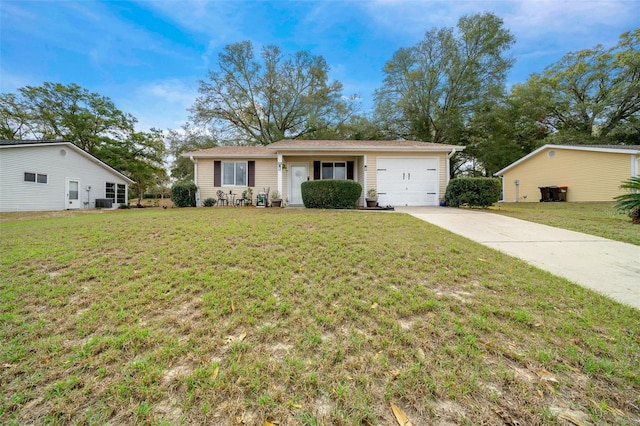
(104, 203)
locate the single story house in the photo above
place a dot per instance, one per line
(590, 172)
(56, 175)
(403, 173)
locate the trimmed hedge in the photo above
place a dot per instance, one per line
(330, 194)
(473, 192)
(183, 194)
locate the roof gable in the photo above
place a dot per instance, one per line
(12, 143)
(618, 149)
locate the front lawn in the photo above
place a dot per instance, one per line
(599, 219)
(243, 315)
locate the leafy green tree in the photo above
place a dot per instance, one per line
(431, 90)
(90, 121)
(187, 139)
(262, 100)
(630, 202)
(502, 132)
(592, 96)
(15, 119)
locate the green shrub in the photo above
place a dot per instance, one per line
(473, 192)
(183, 194)
(630, 202)
(209, 202)
(330, 194)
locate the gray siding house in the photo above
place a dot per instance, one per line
(56, 175)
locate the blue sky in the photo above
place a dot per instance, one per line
(148, 56)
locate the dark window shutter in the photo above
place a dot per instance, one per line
(316, 170)
(350, 170)
(217, 173)
(251, 179)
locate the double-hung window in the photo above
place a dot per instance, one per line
(115, 192)
(110, 191)
(35, 177)
(336, 170)
(121, 194)
(234, 173)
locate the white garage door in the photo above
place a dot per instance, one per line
(408, 181)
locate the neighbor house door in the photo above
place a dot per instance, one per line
(73, 194)
(298, 173)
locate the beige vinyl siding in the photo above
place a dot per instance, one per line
(205, 179)
(265, 176)
(589, 175)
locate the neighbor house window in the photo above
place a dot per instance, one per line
(334, 170)
(35, 177)
(110, 191)
(121, 194)
(234, 173)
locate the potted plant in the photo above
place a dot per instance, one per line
(372, 197)
(276, 201)
(247, 196)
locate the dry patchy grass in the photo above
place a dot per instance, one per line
(231, 316)
(599, 219)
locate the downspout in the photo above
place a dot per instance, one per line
(279, 174)
(449, 155)
(364, 179)
(195, 179)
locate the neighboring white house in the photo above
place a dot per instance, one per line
(56, 175)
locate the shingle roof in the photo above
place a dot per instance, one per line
(270, 151)
(232, 151)
(356, 145)
(14, 142)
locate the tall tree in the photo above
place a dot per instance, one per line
(187, 139)
(89, 120)
(262, 100)
(432, 89)
(592, 96)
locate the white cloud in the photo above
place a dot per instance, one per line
(161, 104)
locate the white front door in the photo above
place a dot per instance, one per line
(73, 194)
(298, 173)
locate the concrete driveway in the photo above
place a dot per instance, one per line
(609, 267)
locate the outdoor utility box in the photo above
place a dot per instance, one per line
(553, 193)
(104, 203)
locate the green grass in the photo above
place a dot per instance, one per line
(600, 219)
(224, 315)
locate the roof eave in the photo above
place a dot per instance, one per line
(445, 148)
(195, 155)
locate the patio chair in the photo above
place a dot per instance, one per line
(222, 198)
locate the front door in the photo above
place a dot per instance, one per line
(73, 194)
(298, 173)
